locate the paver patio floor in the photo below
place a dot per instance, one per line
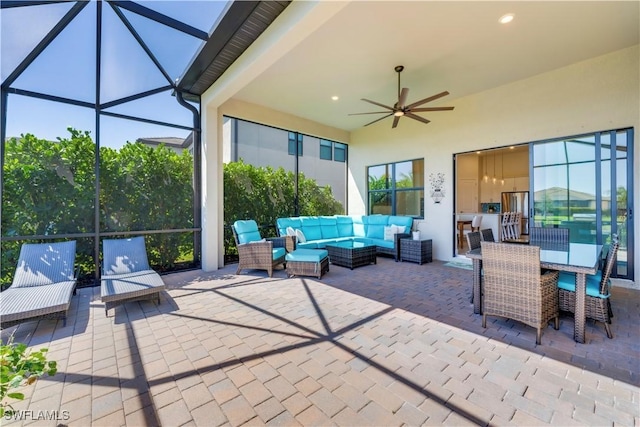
(388, 344)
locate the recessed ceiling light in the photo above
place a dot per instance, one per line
(505, 19)
(335, 98)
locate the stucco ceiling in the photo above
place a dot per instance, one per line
(454, 46)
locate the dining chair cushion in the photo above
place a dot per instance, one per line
(593, 287)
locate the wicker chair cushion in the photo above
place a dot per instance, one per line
(593, 287)
(45, 263)
(123, 286)
(345, 226)
(311, 227)
(247, 231)
(26, 302)
(307, 255)
(279, 252)
(124, 256)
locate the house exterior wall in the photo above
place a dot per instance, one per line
(262, 145)
(594, 95)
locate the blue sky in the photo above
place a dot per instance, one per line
(67, 68)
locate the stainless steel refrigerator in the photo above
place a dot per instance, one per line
(517, 201)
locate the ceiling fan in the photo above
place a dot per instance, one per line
(400, 108)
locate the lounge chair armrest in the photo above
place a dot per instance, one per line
(287, 242)
(254, 247)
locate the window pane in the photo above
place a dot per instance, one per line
(380, 202)
(325, 149)
(410, 202)
(379, 177)
(340, 152)
(409, 174)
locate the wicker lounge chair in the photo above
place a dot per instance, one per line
(597, 302)
(513, 286)
(257, 253)
(42, 285)
(126, 275)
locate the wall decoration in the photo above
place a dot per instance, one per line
(437, 187)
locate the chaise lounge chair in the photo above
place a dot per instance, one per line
(42, 285)
(126, 275)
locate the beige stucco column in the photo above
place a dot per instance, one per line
(212, 191)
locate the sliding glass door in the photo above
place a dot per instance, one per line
(585, 184)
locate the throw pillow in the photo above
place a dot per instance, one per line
(389, 232)
(291, 231)
(300, 236)
(400, 228)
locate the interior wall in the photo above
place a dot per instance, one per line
(593, 95)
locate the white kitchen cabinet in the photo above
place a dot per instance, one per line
(490, 192)
(516, 184)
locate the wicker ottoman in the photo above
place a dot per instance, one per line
(416, 250)
(307, 262)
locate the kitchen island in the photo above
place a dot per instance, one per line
(489, 220)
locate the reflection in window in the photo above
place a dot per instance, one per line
(339, 152)
(325, 149)
(397, 188)
(292, 143)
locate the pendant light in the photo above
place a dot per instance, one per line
(493, 155)
(501, 168)
(486, 177)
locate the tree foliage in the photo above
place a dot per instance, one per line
(265, 194)
(49, 188)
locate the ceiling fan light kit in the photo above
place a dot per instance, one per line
(400, 108)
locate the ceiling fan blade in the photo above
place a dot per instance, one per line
(396, 119)
(403, 97)
(429, 99)
(419, 110)
(377, 120)
(378, 104)
(373, 112)
(416, 117)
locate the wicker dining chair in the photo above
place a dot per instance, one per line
(473, 241)
(549, 234)
(487, 235)
(598, 301)
(514, 287)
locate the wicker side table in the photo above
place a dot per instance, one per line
(416, 250)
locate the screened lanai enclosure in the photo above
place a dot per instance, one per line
(98, 137)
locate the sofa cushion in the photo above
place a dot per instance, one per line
(329, 227)
(324, 242)
(359, 225)
(375, 229)
(311, 227)
(344, 225)
(307, 245)
(405, 221)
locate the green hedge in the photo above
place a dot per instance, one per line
(49, 189)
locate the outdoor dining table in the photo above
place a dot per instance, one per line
(578, 258)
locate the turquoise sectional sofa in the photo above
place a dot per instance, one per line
(322, 230)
